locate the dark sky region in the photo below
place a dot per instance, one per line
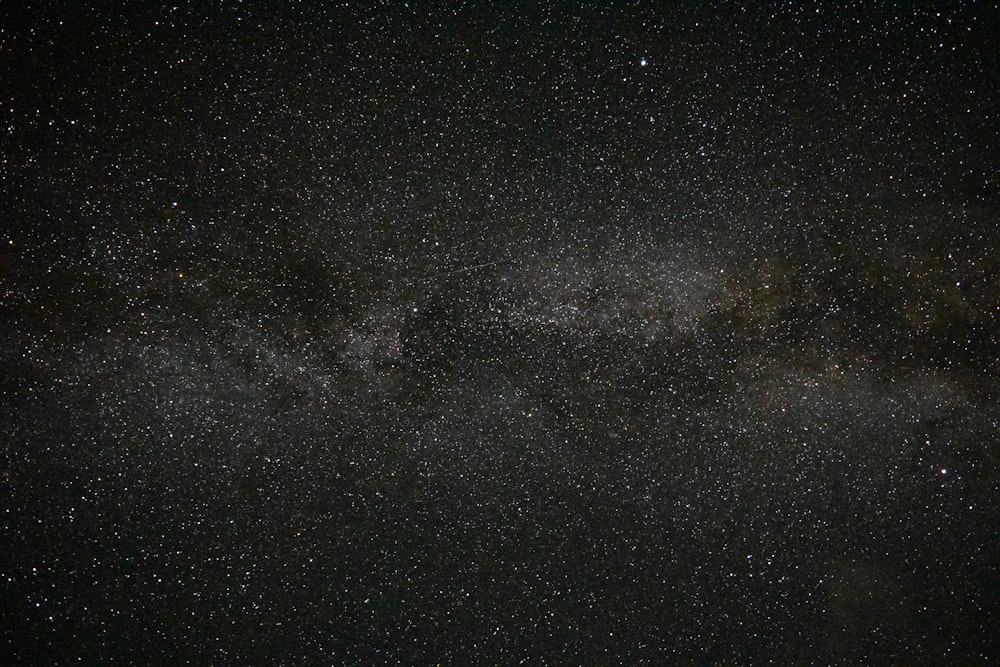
(497, 333)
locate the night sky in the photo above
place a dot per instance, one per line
(495, 333)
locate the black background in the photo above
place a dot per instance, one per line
(487, 333)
